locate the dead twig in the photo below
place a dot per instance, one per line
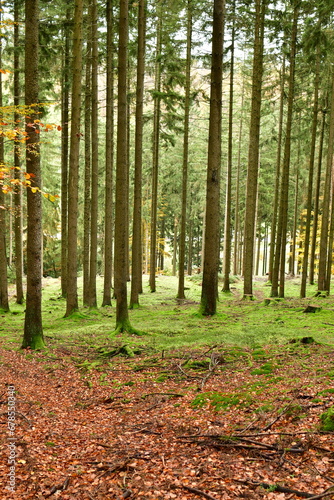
(59, 487)
(267, 427)
(172, 394)
(275, 487)
(326, 493)
(198, 492)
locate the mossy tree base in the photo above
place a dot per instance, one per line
(35, 342)
(126, 327)
(135, 305)
(248, 297)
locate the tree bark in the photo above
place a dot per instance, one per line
(33, 330)
(17, 191)
(65, 97)
(155, 166)
(121, 229)
(253, 153)
(88, 166)
(4, 305)
(182, 245)
(322, 273)
(109, 163)
(311, 174)
(278, 274)
(228, 209)
(137, 258)
(284, 203)
(316, 199)
(72, 291)
(277, 184)
(212, 229)
(95, 161)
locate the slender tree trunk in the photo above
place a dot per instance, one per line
(212, 229)
(228, 229)
(136, 284)
(190, 247)
(316, 199)
(17, 191)
(277, 184)
(253, 154)
(330, 240)
(4, 305)
(65, 97)
(88, 169)
(236, 264)
(72, 262)
(295, 223)
(176, 225)
(121, 229)
(280, 243)
(155, 166)
(322, 273)
(284, 203)
(311, 175)
(109, 164)
(182, 245)
(162, 243)
(33, 330)
(95, 161)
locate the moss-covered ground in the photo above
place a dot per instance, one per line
(239, 405)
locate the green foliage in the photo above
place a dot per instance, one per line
(327, 420)
(216, 400)
(265, 369)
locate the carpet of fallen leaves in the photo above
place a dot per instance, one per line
(127, 428)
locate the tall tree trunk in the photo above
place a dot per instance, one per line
(72, 262)
(253, 153)
(65, 98)
(17, 194)
(295, 223)
(176, 225)
(322, 273)
(109, 163)
(137, 272)
(182, 245)
(280, 244)
(88, 166)
(33, 330)
(4, 305)
(212, 229)
(236, 261)
(284, 203)
(228, 229)
(190, 247)
(95, 161)
(311, 174)
(277, 182)
(155, 166)
(330, 242)
(121, 229)
(316, 199)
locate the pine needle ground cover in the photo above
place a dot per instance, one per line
(235, 406)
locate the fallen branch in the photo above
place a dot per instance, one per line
(59, 487)
(326, 493)
(173, 394)
(198, 492)
(276, 487)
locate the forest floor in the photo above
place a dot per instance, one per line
(219, 408)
